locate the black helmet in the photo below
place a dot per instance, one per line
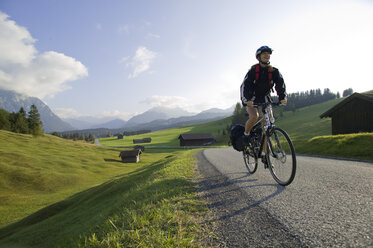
(263, 49)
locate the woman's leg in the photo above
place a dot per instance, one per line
(253, 117)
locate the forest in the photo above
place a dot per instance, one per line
(22, 122)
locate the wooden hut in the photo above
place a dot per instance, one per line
(144, 140)
(352, 115)
(130, 156)
(139, 147)
(196, 139)
(120, 136)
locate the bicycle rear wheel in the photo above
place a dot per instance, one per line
(251, 160)
(281, 156)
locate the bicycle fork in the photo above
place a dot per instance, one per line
(280, 154)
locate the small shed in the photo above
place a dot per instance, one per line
(130, 156)
(196, 139)
(352, 115)
(144, 140)
(120, 136)
(139, 147)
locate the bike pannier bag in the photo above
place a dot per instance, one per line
(236, 137)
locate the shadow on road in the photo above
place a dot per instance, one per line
(229, 193)
(251, 205)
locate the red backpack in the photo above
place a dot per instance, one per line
(270, 70)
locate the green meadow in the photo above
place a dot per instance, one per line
(60, 193)
(169, 137)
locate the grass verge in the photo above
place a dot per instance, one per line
(352, 146)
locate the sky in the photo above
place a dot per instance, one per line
(119, 58)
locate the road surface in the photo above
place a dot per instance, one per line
(329, 203)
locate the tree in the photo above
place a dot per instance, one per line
(34, 123)
(239, 116)
(347, 92)
(18, 122)
(4, 120)
(91, 138)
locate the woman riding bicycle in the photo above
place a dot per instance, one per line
(257, 85)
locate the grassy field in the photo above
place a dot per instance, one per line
(60, 193)
(169, 137)
(305, 123)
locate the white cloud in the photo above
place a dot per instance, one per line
(177, 102)
(153, 36)
(25, 71)
(166, 101)
(140, 62)
(16, 43)
(116, 114)
(124, 29)
(67, 113)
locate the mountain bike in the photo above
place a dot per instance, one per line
(279, 155)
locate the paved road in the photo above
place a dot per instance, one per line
(97, 142)
(329, 204)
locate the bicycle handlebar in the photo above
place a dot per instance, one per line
(267, 104)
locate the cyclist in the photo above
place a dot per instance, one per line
(257, 85)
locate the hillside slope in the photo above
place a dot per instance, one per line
(306, 122)
(49, 167)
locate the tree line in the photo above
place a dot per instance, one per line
(294, 101)
(76, 136)
(307, 98)
(22, 122)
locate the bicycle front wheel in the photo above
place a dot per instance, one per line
(251, 160)
(281, 156)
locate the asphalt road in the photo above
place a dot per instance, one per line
(329, 203)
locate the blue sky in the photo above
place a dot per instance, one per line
(120, 58)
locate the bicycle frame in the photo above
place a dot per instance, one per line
(269, 124)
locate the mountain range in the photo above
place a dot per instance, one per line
(153, 119)
(154, 122)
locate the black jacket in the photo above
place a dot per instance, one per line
(256, 91)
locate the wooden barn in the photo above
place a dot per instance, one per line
(352, 115)
(144, 140)
(196, 139)
(120, 136)
(130, 156)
